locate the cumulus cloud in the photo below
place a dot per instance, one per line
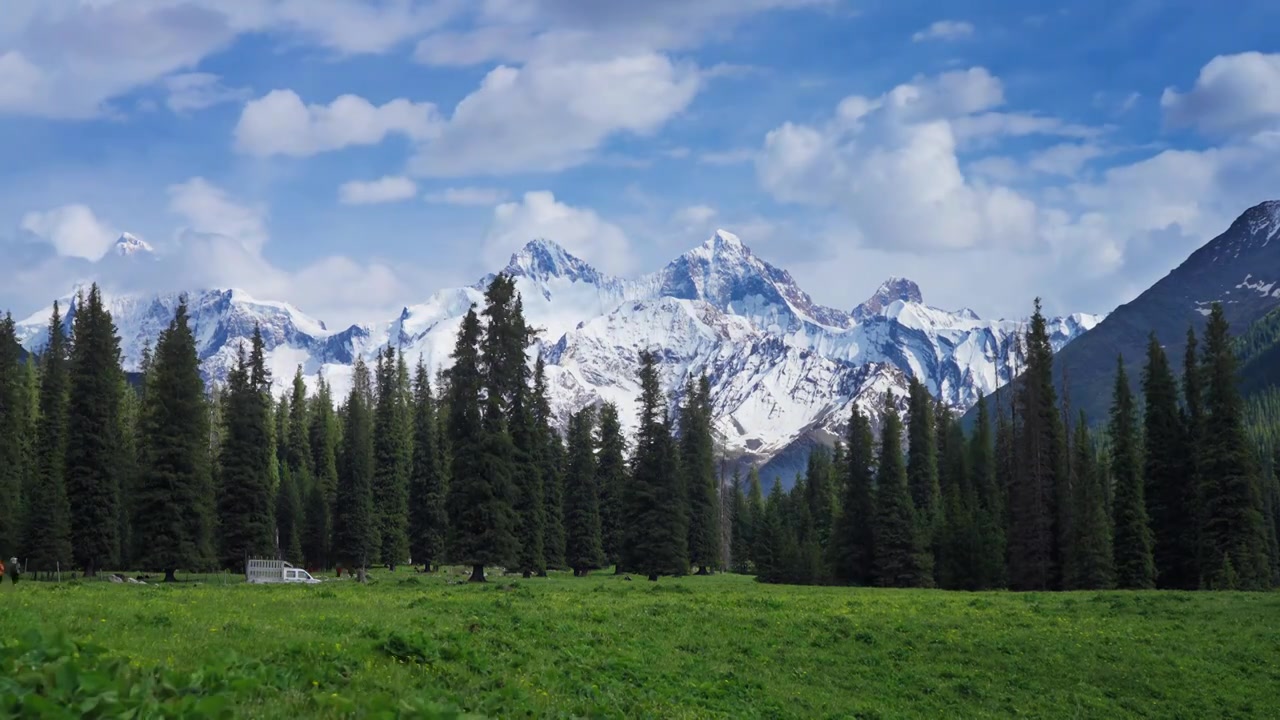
(580, 231)
(891, 162)
(390, 188)
(944, 30)
(208, 210)
(197, 91)
(890, 169)
(695, 217)
(73, 231)
(69, 59)
(522, 30)
(550, 116)
(1234, 94)
(279, 123)
(467, 196)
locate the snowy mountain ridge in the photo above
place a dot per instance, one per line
(784, 370)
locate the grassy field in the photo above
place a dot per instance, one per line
(721, 646)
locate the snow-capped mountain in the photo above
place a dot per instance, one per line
(783, 369)
(129, 244)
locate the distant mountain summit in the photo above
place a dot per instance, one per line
(129, 245)
(1239, 268)
(890, 291)
(785, 371)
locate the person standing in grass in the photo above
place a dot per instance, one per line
(12, 570)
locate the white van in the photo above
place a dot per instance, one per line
(275, 571)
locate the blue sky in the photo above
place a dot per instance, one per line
(351, 157)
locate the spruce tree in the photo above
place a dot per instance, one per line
(1134, 567)
(922, 458)
(958, 541)
(989, 514)
(289, 518)
(355, 535)
(755, 513)
(770, 545)
(47, 539)
(93, 431)
(1193, 397)
(550, 461)
(481, 519)
(317, 531)
(655, 541)
(172, 528)
(1091, 563)
(1038, 447)
(428, 523)
(740, 535)
(902, 557)
(392, 458)
(611, 477)
(584, 550)
(506, 370)
(1233, 500)
(13, 459)
(246, 459)
(820, 491)
(697, 457)
(1170, 494)
(852, 550)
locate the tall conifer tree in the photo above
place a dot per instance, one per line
(47, 544)
(989, 515)
(697, 457)
(851, 549)
(1233, 499)
(1170, 494)
(655, 541)
(428, 523)
(1038, 448)
(321, 431)
(550, 459)
(902, 557)
(13, 459)
(481, 519)
(1132, 544)
(172, 527)
(245, 494)
(584, 550)
(611, 477)
(355, 535)
(93, 431)
(392, 458)
(1091, 562)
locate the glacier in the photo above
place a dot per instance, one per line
(784, 370)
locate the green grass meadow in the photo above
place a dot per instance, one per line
(724, 646)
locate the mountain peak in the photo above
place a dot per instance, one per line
(542, 259)
(889, 292)
(1263, 220)
(130, 244)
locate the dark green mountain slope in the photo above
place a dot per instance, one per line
(1240, 268)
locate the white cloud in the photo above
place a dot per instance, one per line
(578, 230)
(944, 30)
(736, 156)
(197, 91)
(1065, 159)
(21, 83)
(891, 163)
(695, 217)
(279, 123)
(383, 190)
(546, 117)
(1234, 94)
(467, 196)
(73, 57)
(522, 30)
(73, 230)
(208, 210)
